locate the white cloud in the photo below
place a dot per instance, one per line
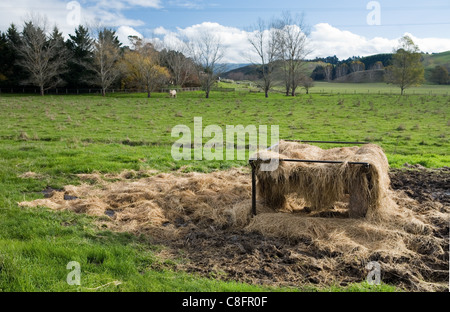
(327, 40)
(188, 4)
(145, 3)
(103, 13)
(159, 31)
(234, 40)
(17, 11)
(431, 45)
(124, 31)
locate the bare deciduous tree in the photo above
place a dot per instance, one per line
(44, 57)
(207, 51)
(263, 40)
(341, 70)
(328, 71)
(292, 49)
(307, 83)
(179, 65)
(106, 55)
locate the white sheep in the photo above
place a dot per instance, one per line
(173, 93)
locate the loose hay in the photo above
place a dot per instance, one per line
(322, 185)
(171, 207)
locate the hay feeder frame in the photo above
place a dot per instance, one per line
(252, 163)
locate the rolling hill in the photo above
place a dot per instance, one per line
(252, 72)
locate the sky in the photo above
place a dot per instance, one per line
(343, 28)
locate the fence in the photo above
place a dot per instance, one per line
(62, 91)
(166, 90)
(379, 92)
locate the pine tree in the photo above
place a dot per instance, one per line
(80, 46)
(9, 58)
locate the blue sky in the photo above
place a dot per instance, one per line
(423, 18)
(337, 27)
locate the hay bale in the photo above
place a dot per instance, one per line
(322, 185)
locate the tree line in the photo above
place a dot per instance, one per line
(281, 46)
(89, 58)
(40, 58)
(406, 61)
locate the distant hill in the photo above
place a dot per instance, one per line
(435, 59)
(253, 72)
(365, 76)
(248, 72)
(430, 61)
(232, 66)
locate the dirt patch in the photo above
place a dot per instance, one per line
(423, 185)
(205, 218)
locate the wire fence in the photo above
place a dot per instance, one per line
(63, 91)
(79, 91)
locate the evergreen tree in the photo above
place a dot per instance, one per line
(80, 46)
(9, 58)
(4, 65)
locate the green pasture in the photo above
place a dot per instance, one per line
(57, 137)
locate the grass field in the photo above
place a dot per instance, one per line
(56, 137)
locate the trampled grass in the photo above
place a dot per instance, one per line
(56, 137)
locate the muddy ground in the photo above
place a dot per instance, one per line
(256, 259)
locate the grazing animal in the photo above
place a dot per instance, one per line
(173, 93)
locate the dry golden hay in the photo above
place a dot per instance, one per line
(321, 185)
(170, 206)
(159, 202)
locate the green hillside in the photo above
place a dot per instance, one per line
(430, 61)
(435, 59)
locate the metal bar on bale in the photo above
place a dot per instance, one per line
(251, 162)
(332, 142)
(253, 187)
